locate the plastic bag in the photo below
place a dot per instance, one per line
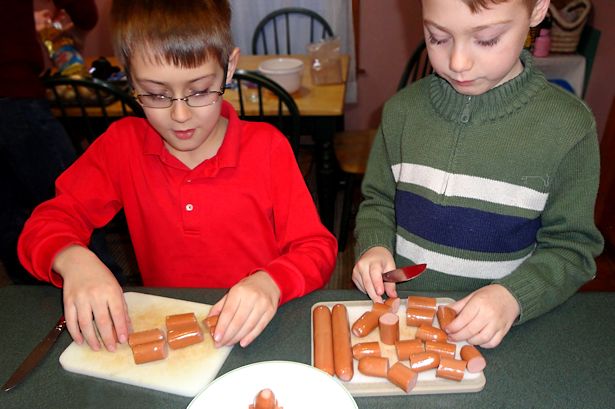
(57, 39)
(326, 67)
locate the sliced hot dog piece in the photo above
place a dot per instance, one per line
(388, 324)
(452, 369)
(180, 320)
(323, 339)
(445, 349)
(409, 347)
(417, 316)
(475, 360)
(211, 321)
(366, 323)
(143, 337)
(402, 376)
(181, 336)
(342, 351)
(415, 301)
(150, 351)
(361, 349)
(381, 307)
(430, 333)
(394, 303)
(374, 366)
(424, 361)
(445, 315)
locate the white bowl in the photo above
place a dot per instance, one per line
(285, 71)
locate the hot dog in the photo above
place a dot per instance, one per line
(402, 376)
(388, 324)
(374, 366)
(418, 316)
(323, 339)
(445, 315)
(475, 360)
(211, 321)
(265, 399)
(366, 323)
(394, 303)
(429, 333)
(409, 347)
(381, 307)
(342, 352)
(361, 349)
(424, 361)
(180, 319)
(150, 351)
(181, 336)
(421, 302)
(445, 349)
(452, 369)
(143, 337)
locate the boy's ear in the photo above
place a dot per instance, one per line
(233, 60)
(538, 13)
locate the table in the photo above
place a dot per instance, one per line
(568, 67)
(563, 359)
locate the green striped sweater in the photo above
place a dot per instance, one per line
(495, 188)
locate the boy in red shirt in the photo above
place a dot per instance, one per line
(210, 200)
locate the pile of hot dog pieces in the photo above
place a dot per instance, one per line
(182, 330)
(265, 399)
(334, 353)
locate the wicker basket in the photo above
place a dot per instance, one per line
(568, 23)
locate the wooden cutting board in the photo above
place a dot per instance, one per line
(184, 372)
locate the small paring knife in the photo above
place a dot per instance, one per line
(37, 354)
(399, 275)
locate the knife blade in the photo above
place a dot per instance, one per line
(399, 275)
(37, 354)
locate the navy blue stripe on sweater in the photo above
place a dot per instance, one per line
(464, 228)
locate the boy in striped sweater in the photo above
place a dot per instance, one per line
(484, 171)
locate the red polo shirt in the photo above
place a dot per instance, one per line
(245, 209)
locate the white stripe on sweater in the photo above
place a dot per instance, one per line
(454, 265)
(473, 187)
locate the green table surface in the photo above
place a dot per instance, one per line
(564, 359)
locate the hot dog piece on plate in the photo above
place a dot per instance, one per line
(418, 316)
(149, 351)
(323, 339)
(180, 320)
(475, 360)
(424, 361)
(361, 349)
(409, 347)
(445, 315)
(366, 323)
(374, 366)
(388, 324)
(445, 349)
(394, 303)
(430, 333)
(415, 301)
(452, 369)
(143, 337)
(265, 399)
(181, 336)
(342, 350)
(402, 376)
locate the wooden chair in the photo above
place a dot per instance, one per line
(276, 28)
(81, 105)
(352, 147)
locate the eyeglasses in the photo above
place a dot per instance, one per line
(196, 100)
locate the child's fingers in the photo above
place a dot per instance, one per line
(86, 325)
(119, 315)
(70, 314)
(390, 289)
(254, 332)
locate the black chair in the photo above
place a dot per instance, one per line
(352, 147)
(83, 106)
(277, 26)
(255, 91)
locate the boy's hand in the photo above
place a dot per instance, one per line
(484, 316)
(367, 273)
(91, 295)
(246, 310)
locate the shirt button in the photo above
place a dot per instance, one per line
(189, 207)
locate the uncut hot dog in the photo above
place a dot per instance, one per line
(323, 339)
(342, 350)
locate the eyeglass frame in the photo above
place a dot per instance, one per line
(186, 98)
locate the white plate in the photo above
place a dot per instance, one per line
(294, 384)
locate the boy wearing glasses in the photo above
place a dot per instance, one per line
(485, 172)
(210, 201)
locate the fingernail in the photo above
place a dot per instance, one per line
(123, 339)
(217, 337)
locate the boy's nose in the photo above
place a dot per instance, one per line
(460, 59)
(180, 111)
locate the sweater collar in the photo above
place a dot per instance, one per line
(497, 102)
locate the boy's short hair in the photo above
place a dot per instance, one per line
(477, 5)
(185, 33)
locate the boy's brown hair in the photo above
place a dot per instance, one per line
(477, 5)
(184, 33)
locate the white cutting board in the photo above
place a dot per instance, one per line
(184, 371)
